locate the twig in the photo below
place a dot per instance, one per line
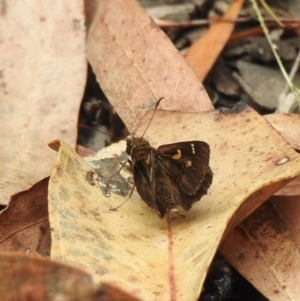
(295, 90)
(193, 23)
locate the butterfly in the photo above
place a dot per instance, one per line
(172, 175)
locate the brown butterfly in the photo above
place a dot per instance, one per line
(172, 175)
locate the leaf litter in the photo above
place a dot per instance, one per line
(132, 245)
(244, 210)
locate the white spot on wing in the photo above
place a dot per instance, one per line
(193, 148)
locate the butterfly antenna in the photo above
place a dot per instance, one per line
(94, 129)
(157, 104)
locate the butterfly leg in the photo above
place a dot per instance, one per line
(116, 208)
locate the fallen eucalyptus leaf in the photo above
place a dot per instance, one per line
(27, 277)
(288, 126)
(262, 266)
(292, 189)
(262, 249)
(39, 54)
(24, 223)
(153, 258)
(137, 63)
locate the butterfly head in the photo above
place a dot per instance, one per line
(136, 143)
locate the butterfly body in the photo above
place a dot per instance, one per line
(172, 175)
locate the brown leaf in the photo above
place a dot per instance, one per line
(265, 253)
(288, 126)
(24, 223)
(262, 83)
(289, 211)
(153, 258)
(137, 64)
(291, 190)
(31, 278)
(43, 73)
(202, 55)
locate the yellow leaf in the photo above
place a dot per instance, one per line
(167, 259)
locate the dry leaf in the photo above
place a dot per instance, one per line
(289, 211)
(287, 203)
(262, 266)
(152, 258)
(42, 79)
(32, 278)
(264, 252)
(291, 190)
(136, 63)
(202, 55)
(288, 126)
(24, 223)
(262, 83)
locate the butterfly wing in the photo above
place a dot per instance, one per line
(146, 182)
(174, 174)
(166, 194)
(188, 166)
